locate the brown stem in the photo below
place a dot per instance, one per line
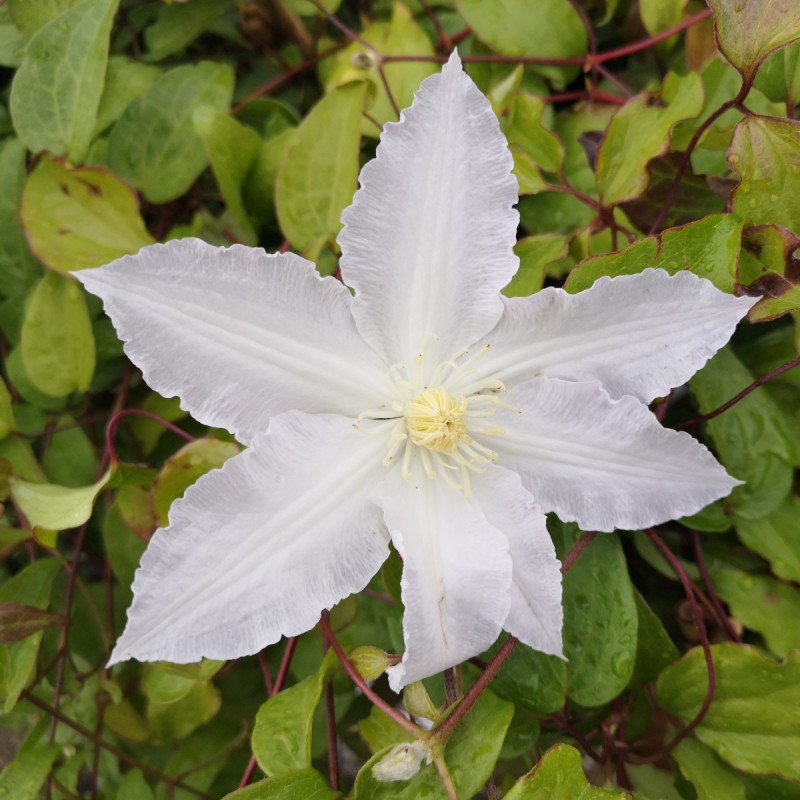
(115, 751)
(366, 690)
(741, 395)
(701, 629)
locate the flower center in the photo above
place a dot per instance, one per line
(436, 420)
(434, 414)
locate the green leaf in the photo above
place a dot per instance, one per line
(54, 507)
(303, 784)
(471, 755)
(765, 152)
(640, 131)
(764, 605)
(30, 15)
(660, 15)
(779, 76)
(776, 537)
(179, 24)
(126, 80)
(57, 344)
(655, 650)
(750, 437)
(258, 189)
(380, 732)
(231, 148)
(508, 27)
(182, 469)
(536, 254)
(165, 683)
(536, 149)
(24, 776)
(559, 775)
(80, 217)
(18, 268)
(600, 624)
(6, 412)
(282, 733)
(123, 547)
(134, 787)
(752, 723)
(748, 32)
(56, 91)
(154, 144)
(12, 40)
(70, 458)
(712, 778)
(709, 248)
(31, 587)
(400, 36)
(18, 621)
(318, 176)
(179, 718)
(533, 680)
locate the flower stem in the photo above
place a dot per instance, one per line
(366, 690)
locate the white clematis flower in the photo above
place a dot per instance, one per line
(427, 410)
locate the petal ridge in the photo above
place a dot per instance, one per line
(640, 334)
(255, 550)
(428, 242)
(237, 334)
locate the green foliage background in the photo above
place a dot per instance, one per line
(657, 132)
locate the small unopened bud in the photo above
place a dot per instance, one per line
(364, 59)
(371, 662)
(418, 702)
(402, 762)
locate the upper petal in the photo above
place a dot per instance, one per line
(637, 334)
(257, 549)
(428, 241)
(456, 575)
(604, 463)
(237, 334)
(536, 616)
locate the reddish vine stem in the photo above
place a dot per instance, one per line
(115, 751)
(713, 597)
(701, 629)
(284, 77)
(366, 690)
(586, 62)
(272, 690)
(687, 155)
(444, 39)
(576, 552)
(109, 453)
(741, 395)
(352, 35)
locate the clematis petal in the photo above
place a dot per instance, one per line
(603, 463)
(256, 550)
(238, 335)
(456, 575)
(637, 334)
(536, 616)
(428, 241)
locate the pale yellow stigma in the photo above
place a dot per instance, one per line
(437, 420)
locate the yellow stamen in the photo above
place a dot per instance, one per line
(436, 420)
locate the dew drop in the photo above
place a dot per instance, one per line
(753, 203)
(621, 665)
